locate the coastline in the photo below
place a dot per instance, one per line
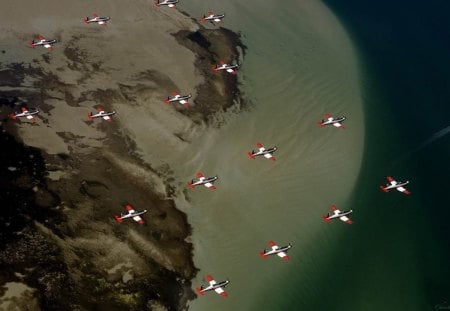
(91, 170)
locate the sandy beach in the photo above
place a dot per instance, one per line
(94, 167)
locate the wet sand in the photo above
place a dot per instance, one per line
(96, 167)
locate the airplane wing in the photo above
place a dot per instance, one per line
(337, 124)
(94, 15)
(221, 292)
(268, 156)
(129, 208)
(138, 219)
(199, 175)
(346, 219)
(403, 190)
(283, 255)
(392, 181)
(41, 37)
(183, 101)
(30, 117)
(101, 22)
(107, 118)
(230, 70)
(210, 279)
(210, 186)
(328, 116)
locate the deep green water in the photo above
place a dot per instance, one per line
(397, 255)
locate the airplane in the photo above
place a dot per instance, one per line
(182, 99)
(43, 42)
(169, 3)
(25, 113)
(329, 120)
(267, 153)
(101, 114)
(276, 250)
(213, 285)
(393, 184)
(342, 215)
(96, 19)
(131, 214)
(223, 66)
(213, 18)
(201, 180)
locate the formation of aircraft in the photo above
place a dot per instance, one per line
(393, 184)
(96, 19)
(218, 287)
(208, 182)
(131, 213)
(212, 18)
(276, 250)
(182, 99)
(337, 214)
(29, 114)
(267, 153)
(101, 114)
(330, 120)
(169, 3)
(41, 41)
(224, 66)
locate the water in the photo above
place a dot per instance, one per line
(298, 67)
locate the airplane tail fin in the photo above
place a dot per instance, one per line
(13, 116)
(90, 116)
(325, 218)
(199, 291)
(118, 219)
(190, 185)
(320, 123)
(31, 44)
(157, 3)
(86, 20)
(384, 189)
(251, 155)
(263, 255)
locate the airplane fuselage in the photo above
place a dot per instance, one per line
(214, 17)
(399, 184)
(339, 215)
(213, 287)
(259, 153)
(43, 42)
(278, 250)
(179, 98)
(204, 181)
(170, 3)
(131, 215)
(26, 113)
(333, 120)
(97, 19)
(102, 114)
(225, 67)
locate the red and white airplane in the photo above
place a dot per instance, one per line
(202, 180)
(25, 113)
(213, 18)
(131, 214)
(393, 184)
(48, 44)
(267, 153)
(213, 285)
(329, 120)
(276, 250)
(223, 66)
(342, 215)
(101, 114)
(96, 19)
(182, 99)
(169, 3)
